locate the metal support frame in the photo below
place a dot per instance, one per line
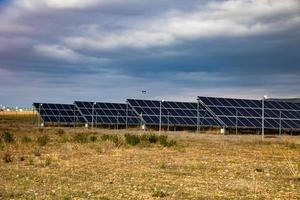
(280, 123)
(236, 121)
(198, 117)
(168, 121)
(93, 108)
(117, 120)
(263, 117)
(40, 118)
(160, 107)
(126, 119)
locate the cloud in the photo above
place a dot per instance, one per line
(63, 53)
(56, 4)
(225, 19)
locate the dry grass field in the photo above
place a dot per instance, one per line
(68, 163)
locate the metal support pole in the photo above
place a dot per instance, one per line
(74, 117)
(168, 121)
(198, 120)
(39, 119)
(263, 119)
(141, 116)
(32, 115)
(160, 117)
(126, 115)
(280, 123)
(93, 107)
(118, 120)
(236, 122)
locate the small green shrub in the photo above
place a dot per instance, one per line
(132, 139)
(7, 157)
(163, 140)
(8, 137)
(105, 137)
(114, 138)
(152, 138)
(43, 140)
(80, 137)
(26, 139)
(144, 137)
(93, 138)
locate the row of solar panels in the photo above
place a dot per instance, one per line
(208, 111)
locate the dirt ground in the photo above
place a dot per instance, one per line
(197, 166)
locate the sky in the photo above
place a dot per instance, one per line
(111, 50)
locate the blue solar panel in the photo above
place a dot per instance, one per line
(248, 113)
(58, 113)
(107, 113)
(172, 113)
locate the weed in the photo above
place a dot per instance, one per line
(293, 146)
(172, 143)
(1, 145)
(48, 161)
(36, 152)
(114, 138)
(43, 140)
(31, 161)
(153, 138)
(105, 137)
(93, 138)
(163, 140)
(80, 137)
(60, 132)
(163, 165)
(8, 137)
(132, 139)
(66, 139)
(26, 139)
(159, 193)
(7, 157)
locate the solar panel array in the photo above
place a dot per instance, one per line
(172, 113)
(107, 113)
(210, 111)
(248, 113)
(58, 113)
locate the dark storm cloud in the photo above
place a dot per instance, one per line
(56, 50)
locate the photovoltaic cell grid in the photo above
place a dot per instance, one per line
(172, 113)
(58, 113)
(107, 113)
(248, 113)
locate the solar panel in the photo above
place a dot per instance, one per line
(58, 113)
(172, 113)
(248, 113)
(107, 113)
